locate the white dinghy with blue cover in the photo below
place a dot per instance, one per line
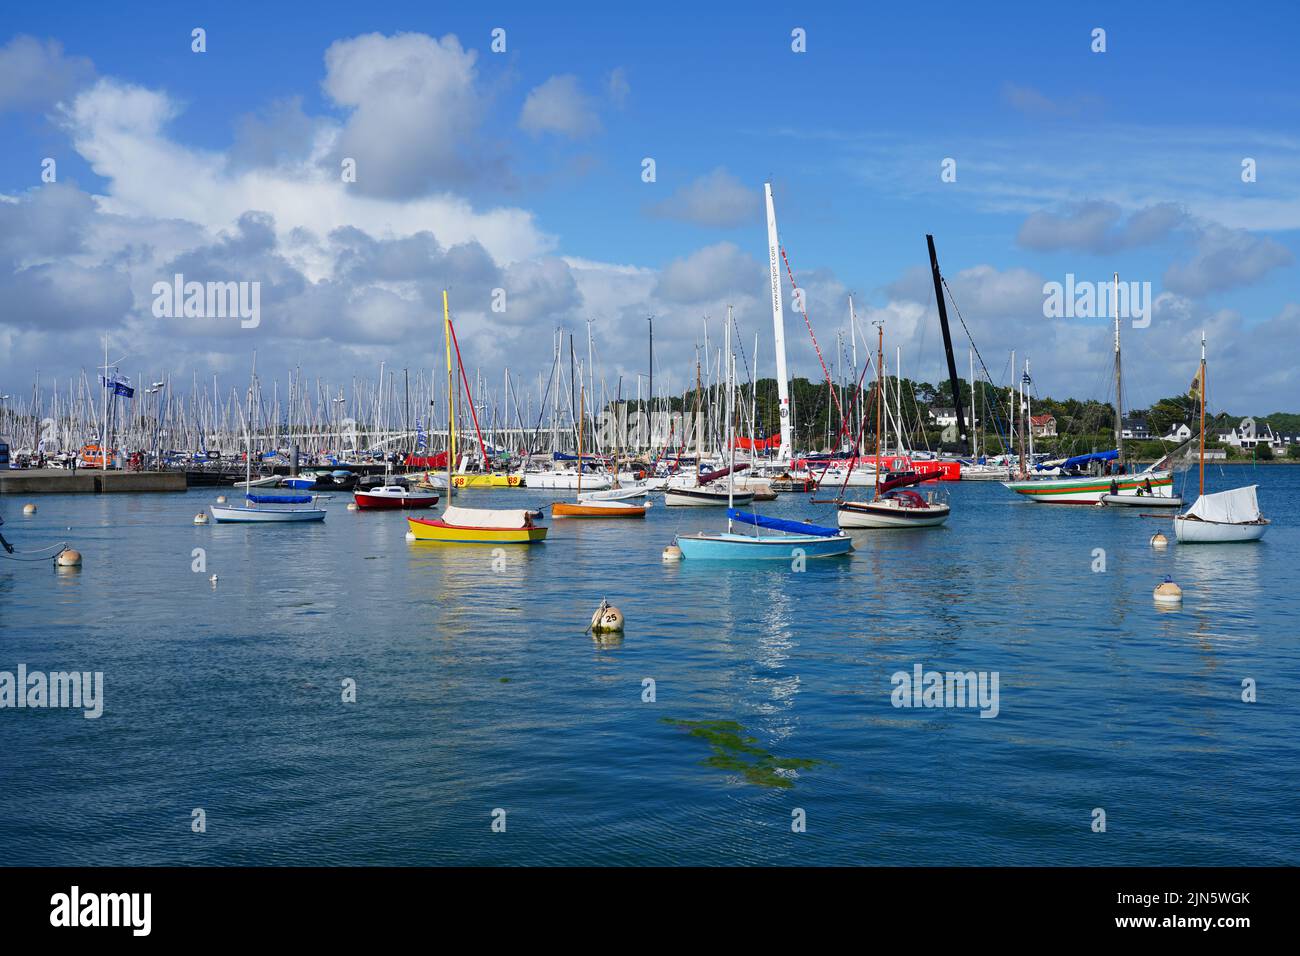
(262, 508)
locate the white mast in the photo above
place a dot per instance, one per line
(778, 325)
(731, 473)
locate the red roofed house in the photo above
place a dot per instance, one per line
(1043, 426)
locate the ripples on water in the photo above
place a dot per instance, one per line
(477, 689)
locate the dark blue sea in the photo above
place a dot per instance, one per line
(477, 690)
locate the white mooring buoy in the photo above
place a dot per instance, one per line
(352, 506)
(201, 518)
(1167, 592)
(1159, 541)
(607, 619)
(68, 559)
(29, 509)
(672, 553)
(221, 499)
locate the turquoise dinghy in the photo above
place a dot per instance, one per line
(796, 539)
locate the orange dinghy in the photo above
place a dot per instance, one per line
(598, 509)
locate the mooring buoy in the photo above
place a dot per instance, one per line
(1159, 541)
(1167, 592)
(607, 619)
(29, 509)
(213, 579)
(201, 518)
(68, 559)
(221, 499)
(672, 553)
(352, 506)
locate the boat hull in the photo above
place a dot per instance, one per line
(432, 529)
(370, 501)
(699, 498)
(597, 509)
(875, 514)
(228, 515)
(1088, 490)
(486, 481)
(725, 546)
(1195, 531)
(565, 481)
(1142, 501)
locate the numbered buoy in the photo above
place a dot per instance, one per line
(607, 619)
(221, 499)
(352, 506)
(1167, 592)
(1159, 541)
(672, 553)
(68, 559)
(201, 518)
(29, 509)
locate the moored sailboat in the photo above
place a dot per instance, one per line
(594, 508)
(795, 540)
(459, 525)
(1224, 517)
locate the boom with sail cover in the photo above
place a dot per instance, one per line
(780, 524)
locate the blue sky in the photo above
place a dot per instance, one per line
(851, 132)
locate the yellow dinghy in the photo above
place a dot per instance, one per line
(478, 526)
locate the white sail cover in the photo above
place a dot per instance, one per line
(1237, 506)
(485, 517)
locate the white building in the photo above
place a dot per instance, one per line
(1250, 434)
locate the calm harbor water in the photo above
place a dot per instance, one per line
(477, 689)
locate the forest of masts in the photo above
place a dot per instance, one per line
(405, 411)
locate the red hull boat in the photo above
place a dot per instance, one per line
(395, 497)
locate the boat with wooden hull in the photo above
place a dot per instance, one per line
(388, 497)
(893, 510)
(261, 509)
(478, 526)
(598, 508)
(1088, 490)
(797, 540)
(1227, 517)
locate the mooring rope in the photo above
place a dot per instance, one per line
(38, 555)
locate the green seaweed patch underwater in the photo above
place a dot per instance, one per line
(732, 750)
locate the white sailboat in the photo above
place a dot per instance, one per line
(260, 509)
(1224, 517)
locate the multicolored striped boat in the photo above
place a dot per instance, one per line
(1088, 489)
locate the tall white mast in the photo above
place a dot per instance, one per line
(778, 325)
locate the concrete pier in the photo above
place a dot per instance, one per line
(54, 481)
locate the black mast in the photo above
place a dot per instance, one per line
(947, 344)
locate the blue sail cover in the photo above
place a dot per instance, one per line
(279, 499)
(1078, 460)
(780, 524)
